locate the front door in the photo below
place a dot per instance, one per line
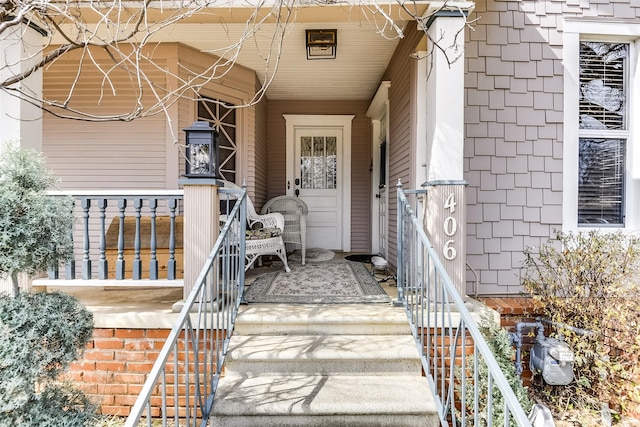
(318, 172)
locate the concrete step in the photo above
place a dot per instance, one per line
(336, 319)
(323, 354)
(324, 400)
(323, 365)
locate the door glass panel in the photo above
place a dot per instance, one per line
(331, 151)
(305, 162)
(318, 162)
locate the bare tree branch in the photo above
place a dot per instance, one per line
(115, 38)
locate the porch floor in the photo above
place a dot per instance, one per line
(133, 308)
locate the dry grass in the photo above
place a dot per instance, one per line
(114, 421)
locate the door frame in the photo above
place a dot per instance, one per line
(343, 122)
(378, 112)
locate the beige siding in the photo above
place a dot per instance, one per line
(360, 158)
(142, 153)
(401, 74)
(96, 155)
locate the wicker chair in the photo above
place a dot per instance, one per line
(295, 213)
(266, 240)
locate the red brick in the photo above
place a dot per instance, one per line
(134, 389)
(158, 333)
(103, 399)
(97, 377)
(82, 365)
(88, 388)
(111, 366)
(158, 345)
(108, 343)
(125, 399)
(126, 378)
(103, 333)
(74, 376)
(130, 333)
(111, 389)
(99, 355)
(152, 355)
(144, 367)
(131, 355)
(138, 345)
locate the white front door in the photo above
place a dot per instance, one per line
(318, 171)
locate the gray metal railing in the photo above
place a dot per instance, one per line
(124, 235)
(181, 386)
(468, 386)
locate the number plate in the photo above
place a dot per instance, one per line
(565, 356)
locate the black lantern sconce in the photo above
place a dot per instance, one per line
(202, 151)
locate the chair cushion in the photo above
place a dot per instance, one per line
(263, 233)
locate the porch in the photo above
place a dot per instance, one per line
(367, 344)
(140, 325)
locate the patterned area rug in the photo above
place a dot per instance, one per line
(328, 283)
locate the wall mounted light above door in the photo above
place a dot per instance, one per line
(322, 44)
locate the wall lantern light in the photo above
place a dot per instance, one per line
(322, 44)
(202, 151)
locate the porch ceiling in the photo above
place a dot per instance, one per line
(366, 43)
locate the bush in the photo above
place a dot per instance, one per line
(40, 335)
(499, 343)
(589, 281)
(34, 227)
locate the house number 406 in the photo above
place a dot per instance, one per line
(450, 226)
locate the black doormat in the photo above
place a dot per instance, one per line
(360, 257)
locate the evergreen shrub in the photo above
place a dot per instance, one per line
(40, 335)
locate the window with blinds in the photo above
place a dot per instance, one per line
(603, 133)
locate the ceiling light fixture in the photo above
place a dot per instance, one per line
(322, 44)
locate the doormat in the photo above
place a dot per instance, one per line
(312, 255)
(359, 258)
(328, 283)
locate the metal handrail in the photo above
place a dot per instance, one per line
(182, 383)
(451, 346)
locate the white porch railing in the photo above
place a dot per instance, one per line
(180, 389)
(452, 349)
(123, 237)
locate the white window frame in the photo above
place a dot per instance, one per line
(575, 31)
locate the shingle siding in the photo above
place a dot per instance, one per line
(513, 128)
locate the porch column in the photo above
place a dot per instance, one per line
(21, 121)
(445, 218)
(201, 226)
